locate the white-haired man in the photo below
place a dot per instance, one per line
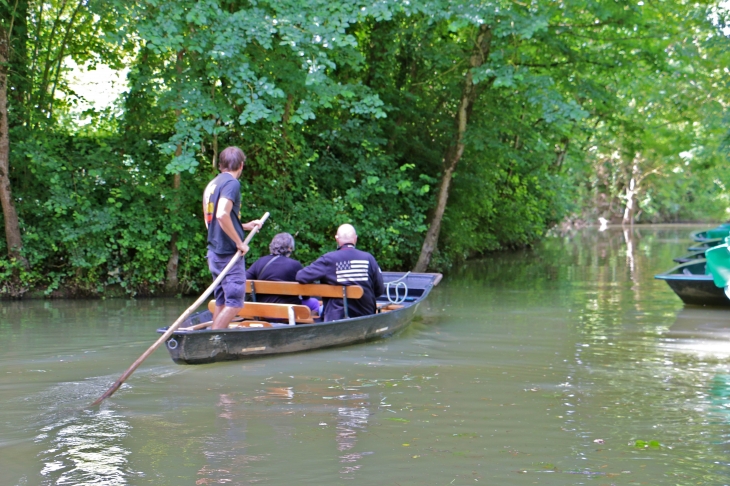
(346, 266)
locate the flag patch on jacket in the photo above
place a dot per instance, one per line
(352, 271)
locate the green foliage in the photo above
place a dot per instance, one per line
(96, 213)
(346, 112)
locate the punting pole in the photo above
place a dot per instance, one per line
(180, 319)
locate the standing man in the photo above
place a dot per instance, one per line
(346, 266)
(222, 210)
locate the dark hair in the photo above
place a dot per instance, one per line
(231, 159)
(282, 244)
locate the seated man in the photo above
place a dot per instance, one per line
(279, 267)
(346, 266)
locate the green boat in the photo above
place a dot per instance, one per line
(707, 244)
(721, 231)
(691, 256)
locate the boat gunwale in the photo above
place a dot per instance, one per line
(672, 274)
(279, 326)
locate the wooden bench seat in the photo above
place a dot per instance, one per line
(263, 311)
(294, 288)
(256, 313)
(268, 287)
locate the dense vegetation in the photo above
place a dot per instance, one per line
(441, 129)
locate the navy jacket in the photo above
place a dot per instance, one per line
(283, 269)
(346, 266)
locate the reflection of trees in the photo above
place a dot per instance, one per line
(625, 382)
(228, 459)
(226, 452)
(606, 265)
(80, 315)
(633, 382)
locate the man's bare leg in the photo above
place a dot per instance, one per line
(224, 316)
(218, 309)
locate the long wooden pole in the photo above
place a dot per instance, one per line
(180, 319)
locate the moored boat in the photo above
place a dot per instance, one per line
(691, 256)
(694, 285)
(258, 337)
(707, 244)
(721, 231)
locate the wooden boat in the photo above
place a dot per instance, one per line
(256, 336)
(694, 285)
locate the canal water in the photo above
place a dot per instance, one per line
(566, 364)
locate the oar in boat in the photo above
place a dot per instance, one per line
(180, 319)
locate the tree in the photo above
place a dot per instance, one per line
(11, 24)
(480, 54)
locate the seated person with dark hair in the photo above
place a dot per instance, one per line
(279, 267)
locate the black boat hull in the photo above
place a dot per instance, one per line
(689, 257)
(209, 346)
(699, 292)
(693, 285)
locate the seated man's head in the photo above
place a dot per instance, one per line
(346, 234)
(282, 244)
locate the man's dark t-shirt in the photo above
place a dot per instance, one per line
(226, 186)
(346, 266)
(281, 269)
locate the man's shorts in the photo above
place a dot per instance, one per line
(232, 289)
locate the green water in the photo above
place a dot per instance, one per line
(567, 364)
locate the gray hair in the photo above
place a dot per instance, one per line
(282, 244)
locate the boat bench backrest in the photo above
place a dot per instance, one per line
(294, 288)
(260, 310)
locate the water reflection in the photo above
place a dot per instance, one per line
(701, 332)
(85, 448)
(351, 420)
(242, 424)
(662, 370)
(701, 322)
(226, 453)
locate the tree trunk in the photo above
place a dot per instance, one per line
(10, 216)
(631, 190)
(453, 154)
(171, 280)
